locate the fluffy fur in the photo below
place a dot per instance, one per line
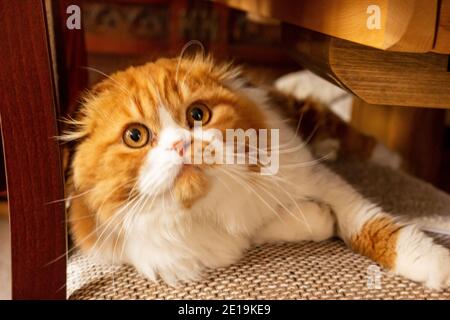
(145, 207)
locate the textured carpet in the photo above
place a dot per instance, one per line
(306, 270)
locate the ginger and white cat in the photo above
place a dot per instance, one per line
(135, 199)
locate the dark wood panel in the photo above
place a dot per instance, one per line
(28, 117)
(415, 133)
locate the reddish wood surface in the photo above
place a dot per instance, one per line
(71, 58)
(33, 167)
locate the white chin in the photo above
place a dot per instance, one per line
(159, 173)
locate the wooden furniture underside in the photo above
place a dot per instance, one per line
(404, 25)
(404, 63)
(374, 75)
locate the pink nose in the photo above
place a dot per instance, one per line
(180, 147)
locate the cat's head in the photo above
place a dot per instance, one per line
(135, 131)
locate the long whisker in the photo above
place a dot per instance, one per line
(124, 225)
(183, 50)
(123, 212)
(98, 223)
(247, 186)
(223, 183)
(296, 132)
(141, 202)
(307, 163)
(268, 179)
(120, 85)
(71, 197)
(90, 234)
(282, 165)
(270, 194)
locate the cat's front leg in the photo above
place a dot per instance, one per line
(368, 230)
(304, 220)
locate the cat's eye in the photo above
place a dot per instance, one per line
(136, 135)
(198, 112)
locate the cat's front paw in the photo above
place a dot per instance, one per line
(422, 260)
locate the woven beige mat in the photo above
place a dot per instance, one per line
(307, 270)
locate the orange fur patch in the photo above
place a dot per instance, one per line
(377, 240)
(191, 184)
(82, 224)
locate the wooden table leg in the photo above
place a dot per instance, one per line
(34, 177)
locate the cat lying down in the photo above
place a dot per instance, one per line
(156, 182)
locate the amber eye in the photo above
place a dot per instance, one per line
(136, 135)
(198, 112)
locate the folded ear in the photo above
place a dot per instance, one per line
(101, 87)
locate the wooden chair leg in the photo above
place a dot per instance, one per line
(33, 167)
